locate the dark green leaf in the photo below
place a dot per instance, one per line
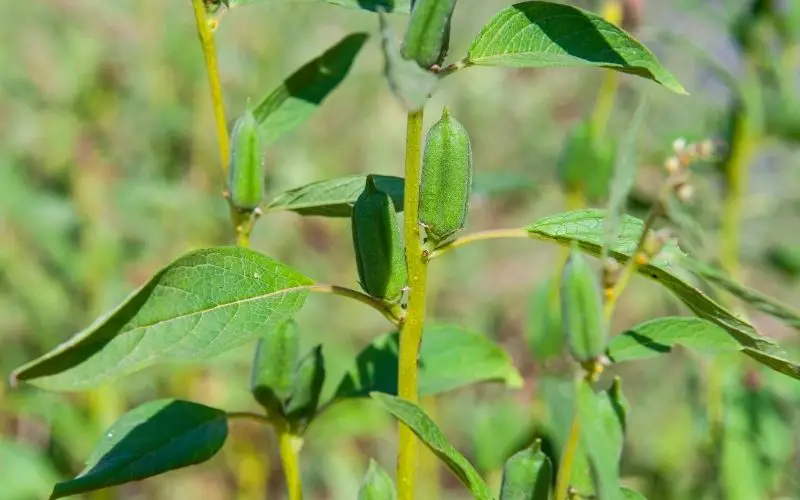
(272, 375)
(660, 335)
(601, 436)
(399, 6)
(545, 336)
(541, 34)
(450, 357)
(301, 94)
(203, 304)
(586, 227)
(309, 378)
(377, 485)
(527, 475)
(154, 438)
(334, 197)
(411, 84)
(427, 431)
(754, 298)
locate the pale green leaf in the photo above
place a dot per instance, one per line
(203, 304)
(542, 34)
(154, 438)
(289, 105)
(427, 431)
(334, 197)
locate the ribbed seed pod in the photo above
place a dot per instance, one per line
(246, 169)
(582, 309)
(427, 37)
(378, 247)
(446, 182)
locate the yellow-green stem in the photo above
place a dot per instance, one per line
(290, 445)
(568, 458)
(605, 102)
(411, 332)
(493, 234)
(392, 312)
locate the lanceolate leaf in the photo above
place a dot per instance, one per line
(201, 305)
(399, 6)
(301, 94)
(601, 436)
(586, 227)
(541, 34)
(154, 438)
(450, 357)
(427, 431)
(660, 335)
(334, 197)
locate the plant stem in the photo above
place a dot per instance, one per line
(568, 457)
(493, 234)
(290, 446)
(411, 331)
(390, 312)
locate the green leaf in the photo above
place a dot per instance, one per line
(544, 333)
(754, 298)
(582, 309)
(398, 6)
(659, 336)
(623, 177)
(411, 84)
(154, 438)
(309, 378)
(272, 376)
(334, 197)
(450, 357)
(601, 436)
(203, 304)
(377, 485)
(289, 105)
(543, 34)
(586, 227)
(427, 431)
(527, 475)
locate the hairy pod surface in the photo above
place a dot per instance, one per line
(446, 179)
(582, 309)
(245, 172)
(376, 239)
(427, 37)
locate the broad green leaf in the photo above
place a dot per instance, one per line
(399, 6)
(601, 436)
(154, 438)
(411, 84)
(334, 197)
(527, 475)
(203, 304)
(27, 473)
(377, 485)
(585, 329)
(624, 174)
(543, 34)
(309, 378)
(659, 336)
(586, 227)
(289, 105)
(754, 298)
(544, 333)
(450, 357)
(272, 375)
(427, 431)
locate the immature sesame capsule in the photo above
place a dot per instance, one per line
(246, 169)
(446, 182)
(378, 247)
(428, 34)
(582, 309)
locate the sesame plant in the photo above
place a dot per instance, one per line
(212, 300)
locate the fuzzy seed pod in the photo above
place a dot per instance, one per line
(428, 35)
(446, 179)
(581, 309)
(378, 247)
(246, 169)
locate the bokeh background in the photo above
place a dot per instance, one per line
(109, 170)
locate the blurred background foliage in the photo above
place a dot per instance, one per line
(109, 170)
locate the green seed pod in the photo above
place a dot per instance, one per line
(309, 376)
(376, 240)
(446, 179)
(582, 309)
(428, 34)
(272, 377)
(245, 172)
